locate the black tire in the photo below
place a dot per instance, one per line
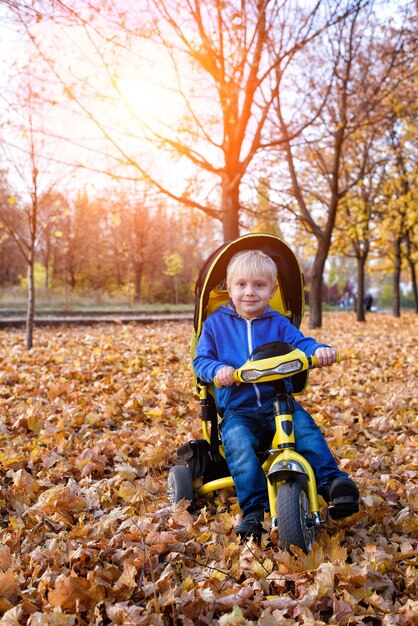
(180, 485)
(293, 517)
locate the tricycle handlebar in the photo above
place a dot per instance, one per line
(275, 367)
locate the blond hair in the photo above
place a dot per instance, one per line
(251, 264)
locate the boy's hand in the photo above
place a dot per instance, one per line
(224, 376)
(326, 356)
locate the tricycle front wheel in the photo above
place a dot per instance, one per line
(294, 522)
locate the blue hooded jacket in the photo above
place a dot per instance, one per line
(228, 339)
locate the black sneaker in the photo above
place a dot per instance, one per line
(251, 525)
(342, 495)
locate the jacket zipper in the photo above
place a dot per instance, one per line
(250, 346)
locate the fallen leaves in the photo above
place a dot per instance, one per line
(89, 425)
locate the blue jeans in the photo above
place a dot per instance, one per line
(247, 431)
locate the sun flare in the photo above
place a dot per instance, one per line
(151, 101)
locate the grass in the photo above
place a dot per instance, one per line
(13, 301)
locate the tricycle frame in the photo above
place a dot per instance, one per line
(283, 463)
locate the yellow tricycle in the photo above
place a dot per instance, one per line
(291, 484)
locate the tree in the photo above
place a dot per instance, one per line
(232, 54)
(355, 230)
(357, 57)
(401, 219)
(411, 242)
(133, 224)
(24, 235)
(51, 212)
(258, 79)
(173, 265)
(11, 261)
(263, 212)
(28, 171)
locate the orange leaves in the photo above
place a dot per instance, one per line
(9, 588)
(90, 462)
(89, 425)
(126, 584)
(62, 499)
(75, 594)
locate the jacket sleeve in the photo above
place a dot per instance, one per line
(297, 339)
(206, 363)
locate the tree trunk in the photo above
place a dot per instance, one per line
(176, 290)
(412, 271)
(361, 261)
(315, 292)
(138, 282)
(230, 210)
(33, 226)
(396, 307)
(315, 302)
(414, 283)
(31, 302)
(47, 261)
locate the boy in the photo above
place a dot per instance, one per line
(228, 337)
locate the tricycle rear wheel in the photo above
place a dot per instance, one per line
(294, 523)
(180, 485)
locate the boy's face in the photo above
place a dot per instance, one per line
(251, 295)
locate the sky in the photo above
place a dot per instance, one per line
(146, 99)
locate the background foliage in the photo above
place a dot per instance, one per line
(129, 133)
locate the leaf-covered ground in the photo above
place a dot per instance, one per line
(89, 424)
